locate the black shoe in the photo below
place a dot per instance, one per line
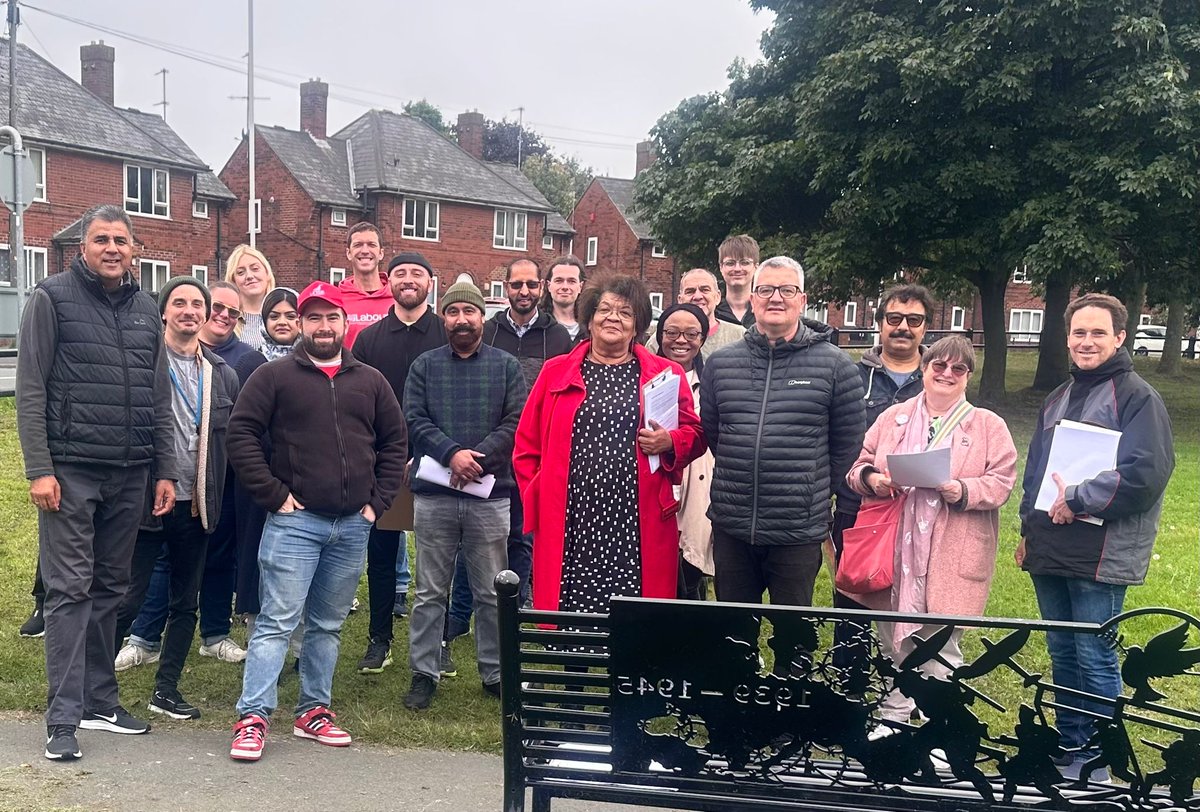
(116, 720)
(420, 693)
(400, 607)
(492, 688)
(174, 705)
(446, 663)
(377, 658)
(61, 744)
(36, 625)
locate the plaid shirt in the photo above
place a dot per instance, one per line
(452, 403)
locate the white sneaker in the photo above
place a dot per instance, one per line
(131, 655)
(225, 650)
(881, 732)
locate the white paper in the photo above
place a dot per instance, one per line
(1078, 452)
(430, 470)
(660, 403)
(924, 469)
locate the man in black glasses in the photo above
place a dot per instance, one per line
(783, 413)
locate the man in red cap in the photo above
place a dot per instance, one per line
(338, 446)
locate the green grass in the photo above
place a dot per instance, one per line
(462, 718)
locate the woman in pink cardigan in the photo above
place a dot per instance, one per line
(947, 536)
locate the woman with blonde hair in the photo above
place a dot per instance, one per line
(249, 270)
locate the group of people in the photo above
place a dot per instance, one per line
(251, 441)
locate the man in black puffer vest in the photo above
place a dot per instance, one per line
(93, 414)
(782, 410)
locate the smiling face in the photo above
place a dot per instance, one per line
(682, 339)
(737, 271)
(323, 327)
(464, 326)
(108, 251)
(251, 277)
(775, 315)
(613, 326)
(1091, 339)
(225, 312)
(185, 312)
(699, 287)
(945, 378)
(283, 323)
(365, 252)
(409, 283)
(524, 287)
(565, 285)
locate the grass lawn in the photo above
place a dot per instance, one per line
(462, 718)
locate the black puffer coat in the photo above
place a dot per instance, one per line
(785, 423)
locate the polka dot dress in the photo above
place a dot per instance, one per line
(602, 550)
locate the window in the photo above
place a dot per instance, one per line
(547, 242)
(497, 291)
(200, 209)
(593, 249)
(656, 301)
(201, 273)
(1144, 319)
(657, 250)
(257, 215)
(421, 218)
(147, 191)
(510, 229)
(39, 170)
(35, 267)
(433, 293)
(337, 217)
(154, 274)
(337, 275)
(1021, 275)
(850, 314)
(817, 313)
(1025, 325)
(958, 318)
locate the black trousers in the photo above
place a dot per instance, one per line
(383, 548)
(691, 582)
(745, 571)
(186, 544)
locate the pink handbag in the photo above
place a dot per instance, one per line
(868, 548)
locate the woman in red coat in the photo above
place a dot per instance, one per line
(603, 524)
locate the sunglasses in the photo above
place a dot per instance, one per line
(534, 285)
(913, 319)
(958, 370)
(232, 312)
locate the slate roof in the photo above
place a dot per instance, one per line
(207, 183)
(53, 109)
(620, 192)
(555, 222)
(400, 153)
(320, 166)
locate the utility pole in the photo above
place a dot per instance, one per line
(163, 103)
(520, 133)
(250, 119)
(16, 223)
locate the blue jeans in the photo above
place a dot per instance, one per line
(151, 619)
(520, 561)
(403, 573)
(1085, 662)
(309, 565)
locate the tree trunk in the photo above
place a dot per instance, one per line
(1177, 307)
(1135, 302)
(1053, 362)
(992, 284)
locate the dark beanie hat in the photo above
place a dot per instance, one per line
(276, 296)
(410, 258)
(164, 295)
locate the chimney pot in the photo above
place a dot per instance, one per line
(314, 106)
(470, 133)
(96, 62)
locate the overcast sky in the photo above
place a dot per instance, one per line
(593, 78)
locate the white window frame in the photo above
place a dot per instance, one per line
(337, 217)
(39, 184)
(337, 276)
(200, 209)
(158, 267)
(408, 230)
(817, 312)
(656, 300)
(850, 314)
(657, 250)
(257, 215)
(1144, 319)
(547, 241)
(520, 228)
(432, 298)
(497, 291)
(593, 249)
(958, 318)
(136, 200)
(1020, 275)
(201, 272)
(1032, 333)
(31, 278)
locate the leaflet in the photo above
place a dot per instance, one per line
(1078, 452)
(430, 470)
(924, 469)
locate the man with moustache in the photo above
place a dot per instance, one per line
(391, 345)
(91, 338)
(462, 403)
(699, 287)
(365, 295)
(204, 389)
(737, 258)
(522, 329)
(339, 446)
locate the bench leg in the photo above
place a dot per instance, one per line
(541, 800)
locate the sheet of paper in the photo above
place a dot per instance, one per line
(925, 469)
(1077, 452)
(433, 471)
(660, 403)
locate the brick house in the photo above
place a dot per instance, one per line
(425, 192)
(610, 235)
(87, 151)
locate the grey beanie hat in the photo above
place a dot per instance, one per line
(462, 292)
(164, 295)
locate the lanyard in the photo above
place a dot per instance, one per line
(199, 394)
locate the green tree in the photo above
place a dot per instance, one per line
(429, 113)
(562, 180)
(503, 140)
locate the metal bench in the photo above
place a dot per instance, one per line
(671, 704)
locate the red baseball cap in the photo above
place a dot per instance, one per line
(320, 290)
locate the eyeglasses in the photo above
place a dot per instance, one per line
(913, 319)
(786, 291)
(291, 315)
(671, 334)
(604, 311)
(737, 263)
(957, 369)
(531, 284)
(232, 312)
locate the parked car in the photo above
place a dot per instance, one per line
(1149, 338)
(494, 305)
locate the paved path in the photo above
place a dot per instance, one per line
(174, 768)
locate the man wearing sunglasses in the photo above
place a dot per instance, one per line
(523, 330)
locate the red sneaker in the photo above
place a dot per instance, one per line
(249, 735)
(317, 723)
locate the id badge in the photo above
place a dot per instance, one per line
(194, 442)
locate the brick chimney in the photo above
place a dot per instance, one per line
(96, 69)
(645, 156)
(314, 106)
(470, 133)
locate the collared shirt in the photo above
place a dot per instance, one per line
(391, 346)
(522, 329)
